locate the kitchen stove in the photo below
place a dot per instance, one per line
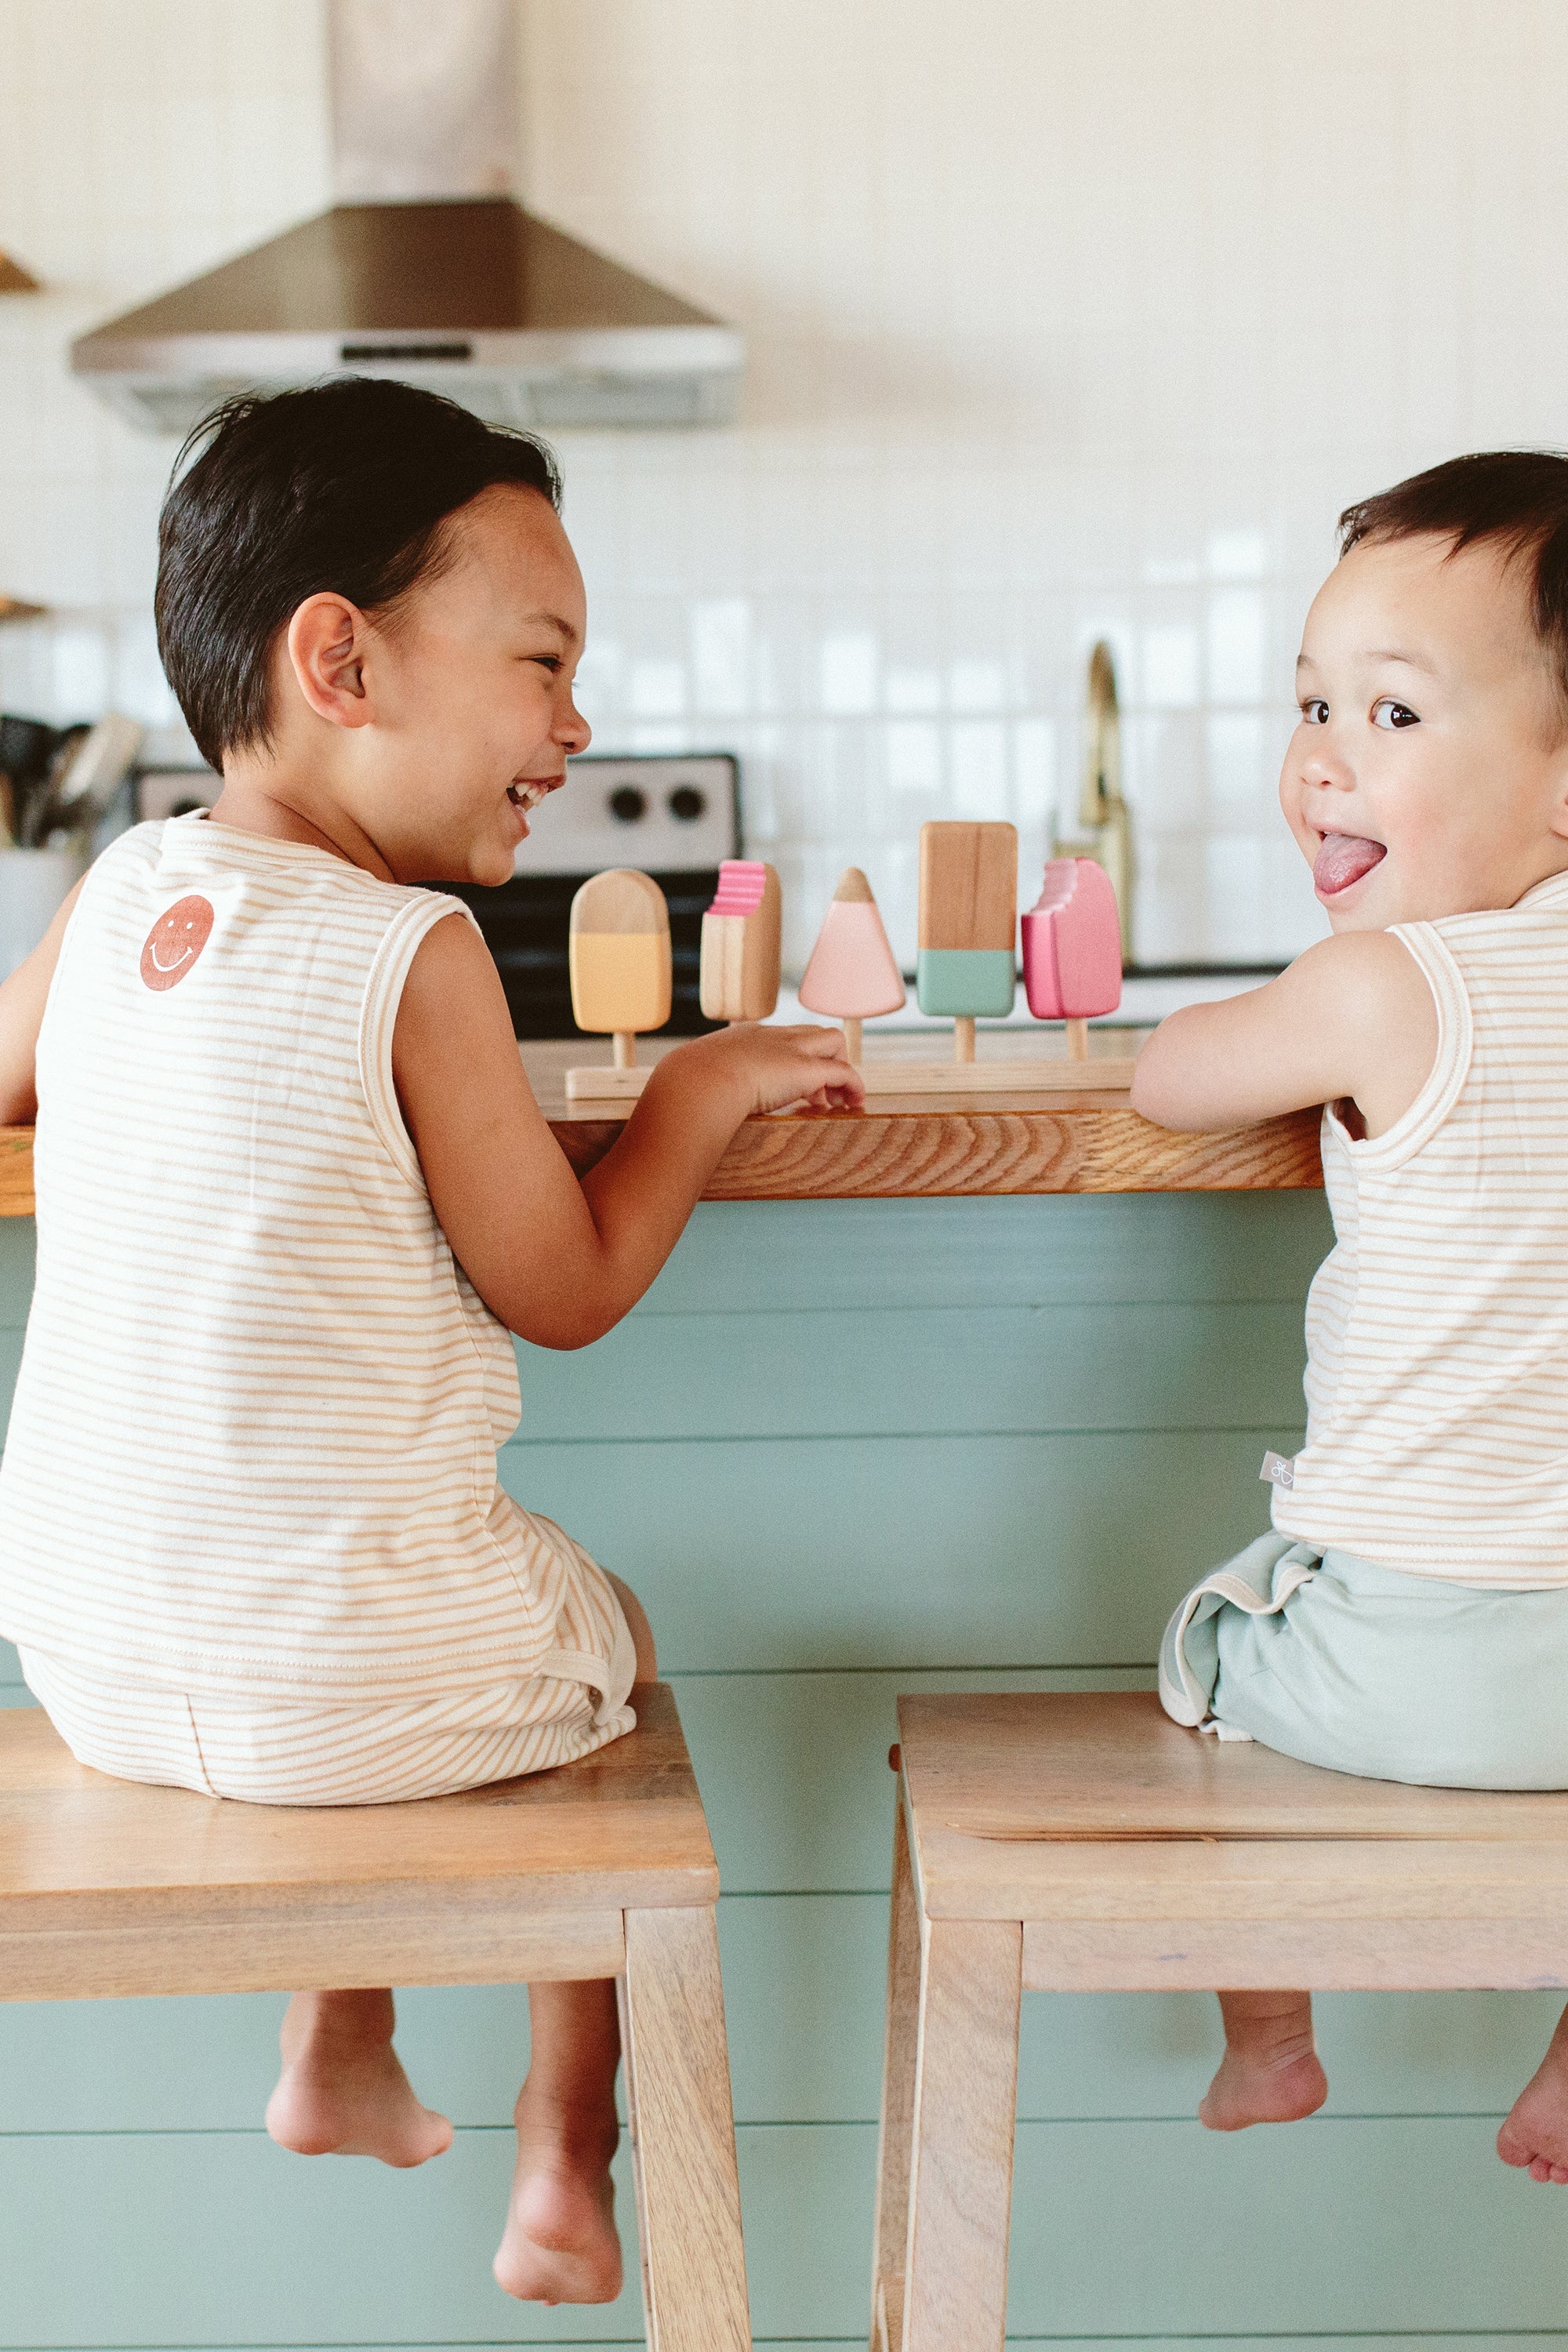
(675, 817)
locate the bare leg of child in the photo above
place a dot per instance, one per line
(560, 2243)
(1535, 2135)
(341, 2091)
(1270, 2073)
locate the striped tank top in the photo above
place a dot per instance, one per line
(1437, 1328)
(253, 1445)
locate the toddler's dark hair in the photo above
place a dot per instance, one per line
(1518, 497)
(344, 486)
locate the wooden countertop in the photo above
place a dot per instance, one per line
(916, 1145)
(927, 1145)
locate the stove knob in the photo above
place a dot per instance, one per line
(627, 804)
(687, 804)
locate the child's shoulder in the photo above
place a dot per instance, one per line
(166, 854)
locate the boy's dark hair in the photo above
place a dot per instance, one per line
(344, 486)
(1517, 497)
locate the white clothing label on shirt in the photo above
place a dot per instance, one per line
(1278, 1470)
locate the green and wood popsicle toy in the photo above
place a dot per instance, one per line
(618, 958)
(966, 968)
(968, 918)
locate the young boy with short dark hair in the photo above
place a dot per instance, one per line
(294, 1196)
(1408, 1618)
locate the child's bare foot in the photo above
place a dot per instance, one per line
(1535, 2135)
(343, 2091)
(1270, 2072)
(560, 2243)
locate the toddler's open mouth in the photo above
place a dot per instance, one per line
(1342, 859)
(527, 794)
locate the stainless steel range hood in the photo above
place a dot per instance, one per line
(427, 268)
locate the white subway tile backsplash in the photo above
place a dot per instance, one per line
(1085, 324)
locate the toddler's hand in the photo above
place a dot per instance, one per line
(769, 1068)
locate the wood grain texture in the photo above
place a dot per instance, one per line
(1015, 1767)
(968, 885)
(109, 1886)
(960, 2157)
(1142, 1855)
(1440, 1952)
(938, 1148)
(900, 2046)
(16, 1171)
(677, 2072)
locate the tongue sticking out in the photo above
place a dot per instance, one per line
(1344, 858)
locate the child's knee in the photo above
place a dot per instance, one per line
(639, 1629)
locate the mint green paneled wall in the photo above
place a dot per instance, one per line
(844, 1450)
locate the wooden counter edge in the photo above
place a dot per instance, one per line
(963, 1151)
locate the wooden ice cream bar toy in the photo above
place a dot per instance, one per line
(965, 968)
(853, 975)
(618, 954)
(968, 916)
(618, 958)
(739, 972)
(620, 963)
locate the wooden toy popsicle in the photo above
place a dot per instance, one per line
(739, 973)
(1072, 949)
(968, 915)
(618, 957)
(852, 974)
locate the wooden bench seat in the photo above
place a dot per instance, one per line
(1084, 1842)
(602, 1868)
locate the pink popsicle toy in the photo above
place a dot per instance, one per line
(740, 970)
(1072, 949)
(852, 974)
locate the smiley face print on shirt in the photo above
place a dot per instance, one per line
(175, 941)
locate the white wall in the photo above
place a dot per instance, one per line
(1068, 317)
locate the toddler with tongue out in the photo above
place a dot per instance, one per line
(1407, 1617)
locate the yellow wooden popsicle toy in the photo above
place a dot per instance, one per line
(618, 957)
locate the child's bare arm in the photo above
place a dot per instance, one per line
(22, 1001)
(1352, 1018)
(560, 1260)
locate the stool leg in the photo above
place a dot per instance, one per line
(678, 2095)
(898, 2098)
(961, 2172)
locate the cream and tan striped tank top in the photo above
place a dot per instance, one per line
(253, 1445)
(1437, 1328)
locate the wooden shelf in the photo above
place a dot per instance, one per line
(1039, 1139)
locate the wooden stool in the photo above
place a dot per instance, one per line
(601, 1869)
(1089, 1844)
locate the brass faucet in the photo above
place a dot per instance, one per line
(1102, 813)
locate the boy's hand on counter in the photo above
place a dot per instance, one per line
(764, 1068)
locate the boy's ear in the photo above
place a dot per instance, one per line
(1558, 819)
(326, 648)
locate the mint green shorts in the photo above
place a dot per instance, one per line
(1370, 1670)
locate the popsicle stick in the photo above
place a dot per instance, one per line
(1077, 1040)
(626, 1047)
(600, 1083)
(852, 1036)
(963, 1038)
